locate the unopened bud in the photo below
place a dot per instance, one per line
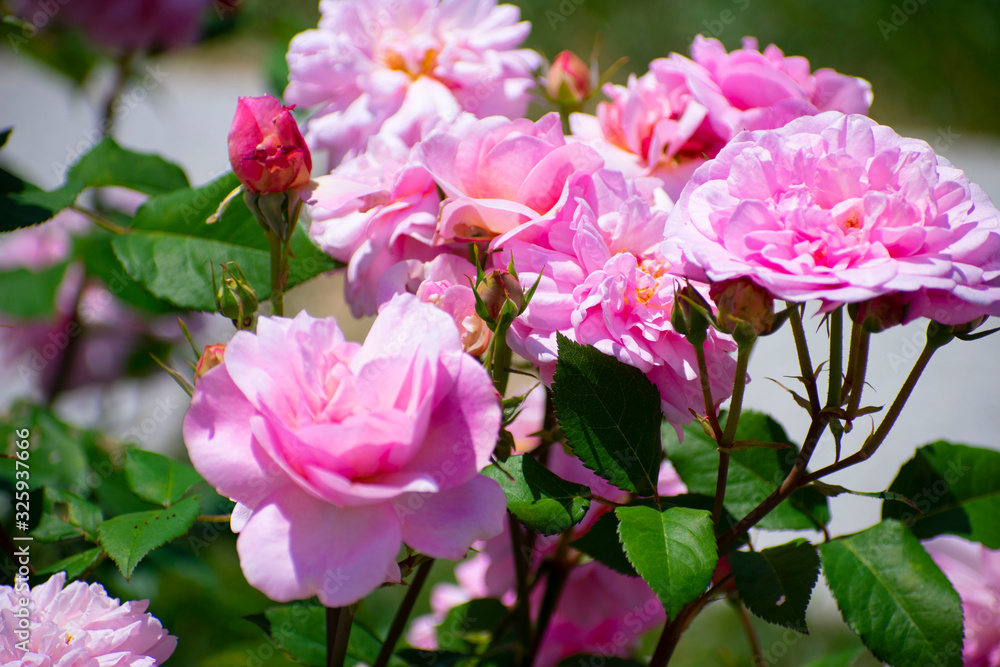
(742, 301)
(496, 289)
(690, 315)
(210, 358)
(568, 81)
(880, 313)
(235, 297)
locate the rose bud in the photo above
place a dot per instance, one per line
(880, 313)
(496, 290)
(210, 358)
(236, 298)
(742, 301)
(690, 315)
(266, 149)
(568, 80)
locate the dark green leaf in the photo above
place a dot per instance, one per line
(469, 625)
(610, 413)
(75, 565)
(601, 543)
(843, 658)
(158, 479)
(957, 489)
(753, 473)
(895, 597)
(673, 550)
(542, 500)
(300, 630)
(30, 294)
(776, 583)
(67, 516)
(171, 250)
(129, 537)
(94, 250)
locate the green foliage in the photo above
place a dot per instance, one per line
(610, 414)
(601, 543)
(158, 479)
(94, 251)
(75, 565)
(171, 250)
(30, 294)
(542, 500)
(468, 626)
(673, 550)
(67, 516)
(776, 583)
(893, 595)
(753, 473)
(129, 537)
(956, 489)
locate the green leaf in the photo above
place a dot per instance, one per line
(95, 251)
(57, 456)
(75, 565)
(673, 550)
(66, 516)
(31, 294)
(129, 537)
(158, 479)
(753, 473)
(470, 625)
(171, 250)
(776, 583)
(601, 543)
(610, 413)
(542, 500)
(893, 595)
(299, 629)
(843, 658)
(957, 489)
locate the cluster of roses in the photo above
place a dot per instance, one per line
(338, 453)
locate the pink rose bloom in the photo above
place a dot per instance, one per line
(373, 212)
(446, 285)
(683, 111)
(603, 283)
(127, 25)
(499, 173)
(974, 571)
(338, 453)
(400, 66)
(78, 625)
(841, 209)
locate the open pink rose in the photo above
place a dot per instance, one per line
(840, 209)
(401, 66)
(78, 624)
(266, 149)
(337, 453)
(683, 111)
(499, 173)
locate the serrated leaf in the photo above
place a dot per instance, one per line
(31, 294)
(542, 500)
(673, 550)
(957, 489)
(469, 625)
(610, 414)
(171, 250)
(67, 516)
(893, 595)
(601, 543)
(776, 584)
(129, 537)
(753, 474)
(74, 566)
(158, 479)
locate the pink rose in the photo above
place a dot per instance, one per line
(266, 149)
(337, 453)
(401, 66)
(604, 283)
(499, 173)
(446, 285)
(79, 624)
(841, 209)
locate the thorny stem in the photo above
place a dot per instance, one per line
(403, 614)
(805, 364)
(338, 633)
(860, 369)
(673, 630)
(852, 361)
(836, 358)
(706, 391)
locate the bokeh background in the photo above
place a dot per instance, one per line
(934, 66)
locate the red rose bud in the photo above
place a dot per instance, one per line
(742, 301)
(568, 80)
(497, 289)
(266, 149)
(210, 358)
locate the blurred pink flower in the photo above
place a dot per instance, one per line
(498, 173)
(603, 283)
(974, 571)
(668, 121)
(337, 453)
(400, 66)
(840, 209)
(373, 212)
(80, 625)
(127, 25)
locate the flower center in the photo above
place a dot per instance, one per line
(396, 61)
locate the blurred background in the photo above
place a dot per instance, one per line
(934, 68)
